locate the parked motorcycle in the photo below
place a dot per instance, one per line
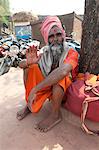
(12, 53)
(9, 60)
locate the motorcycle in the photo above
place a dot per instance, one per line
(13, 54)
(9, 60)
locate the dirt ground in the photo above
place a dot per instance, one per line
(21, 135)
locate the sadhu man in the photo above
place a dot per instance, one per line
(47, 76)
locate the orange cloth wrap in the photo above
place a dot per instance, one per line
(35, 76)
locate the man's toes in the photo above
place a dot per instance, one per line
(41, 129)
(18, 117)
(37, 127)
(18, 114)
(45, 130)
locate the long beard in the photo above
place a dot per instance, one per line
(56, 51)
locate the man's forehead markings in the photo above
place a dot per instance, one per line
(55, 30)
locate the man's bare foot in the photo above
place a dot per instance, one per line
(23, 113)
(49, 122)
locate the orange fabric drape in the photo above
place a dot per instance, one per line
(35, 76)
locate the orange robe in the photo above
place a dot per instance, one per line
(35, 77)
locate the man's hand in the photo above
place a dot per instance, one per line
(31, 98)
(31, 55)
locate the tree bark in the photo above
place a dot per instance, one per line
(89, 57)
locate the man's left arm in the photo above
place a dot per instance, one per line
(54, 77)
(59, 73)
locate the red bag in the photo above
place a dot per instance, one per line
(82, 98)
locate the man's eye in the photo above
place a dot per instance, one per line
(51, 36)
(58, 34)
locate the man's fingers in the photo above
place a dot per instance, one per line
(34, 49)
(31, 100)
(26, 51)
(38, 57)
(29, 50)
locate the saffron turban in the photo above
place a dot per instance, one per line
(48, 23)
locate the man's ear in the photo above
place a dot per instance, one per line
(64, 27)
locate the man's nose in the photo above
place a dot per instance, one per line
(55, 38)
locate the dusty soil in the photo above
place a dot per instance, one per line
(21, 135)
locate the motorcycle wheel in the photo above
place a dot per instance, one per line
(3, 67)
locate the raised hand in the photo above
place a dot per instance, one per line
(31, 55)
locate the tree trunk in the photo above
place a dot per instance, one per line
(89, 58)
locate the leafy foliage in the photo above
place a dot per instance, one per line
(4, 11)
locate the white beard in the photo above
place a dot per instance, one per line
(56, 51)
